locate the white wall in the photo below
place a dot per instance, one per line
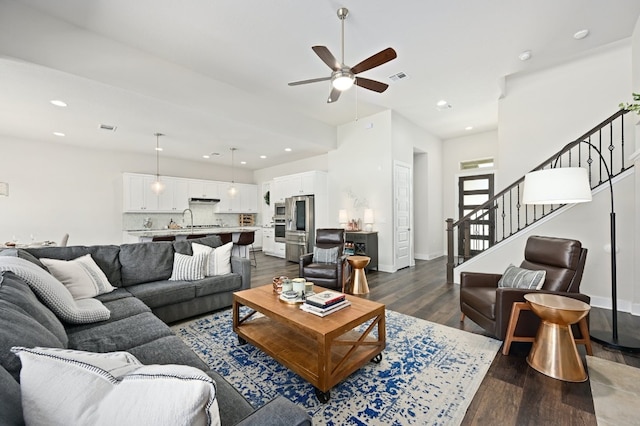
(543, 111)
(56, 189)
(466, 148)
(360, 176)
(427, 219)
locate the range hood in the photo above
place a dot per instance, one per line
(194, 200)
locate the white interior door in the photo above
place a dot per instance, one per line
(402, 214)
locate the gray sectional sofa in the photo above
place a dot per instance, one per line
(144, 300)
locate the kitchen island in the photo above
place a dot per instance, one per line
(147, 235)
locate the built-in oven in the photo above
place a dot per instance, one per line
(280, 227)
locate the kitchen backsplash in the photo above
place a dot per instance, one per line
(202, 215)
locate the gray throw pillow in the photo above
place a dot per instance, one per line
(515, 277)
(321, 255)
(23, 254)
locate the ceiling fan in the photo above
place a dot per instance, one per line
(343, 76)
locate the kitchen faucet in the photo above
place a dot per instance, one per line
(191, 215)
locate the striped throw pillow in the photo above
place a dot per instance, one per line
(321, 255)
(515, 277)
(188, 268)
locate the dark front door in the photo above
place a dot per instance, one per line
(473, 191)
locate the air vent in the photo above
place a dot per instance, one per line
(398, 76)
(108, 127)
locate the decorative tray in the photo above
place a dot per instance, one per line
(295, 301)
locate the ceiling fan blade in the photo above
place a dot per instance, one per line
(379, 58)
(374, 85)
(313, 80)
(327, 57)
(334, 95)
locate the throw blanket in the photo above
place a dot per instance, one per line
(54, 294)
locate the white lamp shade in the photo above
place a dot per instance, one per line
(157, 186)
(562, 185)
(342, 216)
(4, 189)
(368, 215)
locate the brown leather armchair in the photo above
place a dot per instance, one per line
(490, 307)
(330, 275)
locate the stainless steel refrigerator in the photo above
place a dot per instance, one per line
(300, 233)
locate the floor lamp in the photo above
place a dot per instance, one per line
(567, 185)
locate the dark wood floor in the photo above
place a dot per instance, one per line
(512, 393)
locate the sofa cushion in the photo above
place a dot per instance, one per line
(21, 323)
(188, 268)
(112, 388)
(218, 259)
(18, 252)
(167, 350)
(82, 276)
(321, 270)
(162, 293)
(218, 284)
(106, 257)
(118, 335)
(146, 262)
(10, 404)
(184, 246)
(120, 308)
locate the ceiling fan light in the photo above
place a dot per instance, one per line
(343, 80)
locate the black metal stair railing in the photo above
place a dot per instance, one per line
(504, 215)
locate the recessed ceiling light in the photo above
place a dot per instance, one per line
(243, 162)
(58, 133)
(206, 156)
(579, 35)
(469, 128)
(442, 105)
(58, 102)
(288, 149)
(525, 56)
(263, 156)
(159, 149)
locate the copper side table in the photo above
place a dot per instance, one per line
(554, 351)
(358, 281)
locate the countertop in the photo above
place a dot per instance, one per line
(196, 231)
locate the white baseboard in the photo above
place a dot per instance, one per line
(623, 305)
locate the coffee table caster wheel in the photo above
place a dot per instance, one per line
(323, 397)
(241, 341)
(376, 359)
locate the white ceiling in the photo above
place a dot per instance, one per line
(213, 74)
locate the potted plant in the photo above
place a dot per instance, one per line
(634, 106)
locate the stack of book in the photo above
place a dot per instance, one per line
(325, 303)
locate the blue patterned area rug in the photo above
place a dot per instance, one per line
(428, 375)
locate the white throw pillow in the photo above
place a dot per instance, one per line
(81, 276)
(188, 268)
(67, 387)
(218, 259)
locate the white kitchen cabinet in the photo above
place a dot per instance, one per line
(279, 250)
(268, 241)
(257, 239)
(137, 193)
(245, 199)
(307, 183)
(175, 196)
(203, 188)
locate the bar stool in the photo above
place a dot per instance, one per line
(246, 239)
(164, 238)
(225, 237)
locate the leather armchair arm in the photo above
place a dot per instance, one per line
(305, 260)
(479, 279)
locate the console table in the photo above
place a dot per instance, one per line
(364, 244)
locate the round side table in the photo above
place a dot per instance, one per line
(554, 351)
(358, 282)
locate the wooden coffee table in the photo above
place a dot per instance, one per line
(322, 350)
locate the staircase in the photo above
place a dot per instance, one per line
(504, 215)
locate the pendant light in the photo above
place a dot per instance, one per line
(232, 189)
(157, 186)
